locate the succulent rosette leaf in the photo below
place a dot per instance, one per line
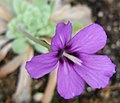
(35, 19)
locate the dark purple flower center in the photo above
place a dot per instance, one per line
(71, 57)
(60, 53)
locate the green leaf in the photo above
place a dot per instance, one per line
(12, 28)
(46, 12)
(45, 9)
(32, 19)
(76, 27)
(35, 18)
(7, 2)
(19, 45)
(52, 5)
(40, 48)
(10, 34)
(39, 3)
(20, 6)
(47, 30)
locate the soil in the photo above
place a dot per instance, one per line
(106, 13)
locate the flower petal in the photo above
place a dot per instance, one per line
(62, 36)
(88, 40)
(40, 65)
(96, 70)
(69, 83)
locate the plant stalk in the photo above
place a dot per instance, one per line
(41, 42)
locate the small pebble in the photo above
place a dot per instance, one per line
(107, 51)
(100, 14)
(109, 28)
(37, 97)
(115, 23)
(113, 58)
(113, 46)
(102, 94)
(89, 89)
(110, 1)
(110, 16)
(115, 29)
(118, 43)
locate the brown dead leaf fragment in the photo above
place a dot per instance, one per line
(49, 92)
(8, 100)
(3, 40)
(5, 14)
(4, 51)
(23, 92)
(11, 66)
(5, 17)
(3, 26)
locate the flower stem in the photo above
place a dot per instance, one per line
(41, 42)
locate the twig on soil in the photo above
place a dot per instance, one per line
(3, 40)
(4, 51)
(49, 92)
(23, 92)
(3, 26)
(10, 66)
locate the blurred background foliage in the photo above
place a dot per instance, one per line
(34, 16)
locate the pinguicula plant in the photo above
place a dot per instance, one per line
(75, 59)
(34, 17)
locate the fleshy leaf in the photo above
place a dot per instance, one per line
(76, 27)
(12, 28)
(19, 45)
(40, 48)
(20, 6)
(52, 5)
(46, 14)
(33, 23)
(45, 9)
(39, 2)
(47, 30)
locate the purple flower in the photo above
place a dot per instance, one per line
(76, 60)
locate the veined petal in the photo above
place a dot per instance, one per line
(69, 83)
(40, 65)
(62, 36)
(88, 40)
(96, 70)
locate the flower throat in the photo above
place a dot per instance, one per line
(71, 57)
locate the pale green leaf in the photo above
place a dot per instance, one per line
(52, 5)
(46, 12)
(39, 3)
(40, 48)
(12, 28)
(32, 19)
(19, 45)
(76, 27)
(47, 30)
(20, 6)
